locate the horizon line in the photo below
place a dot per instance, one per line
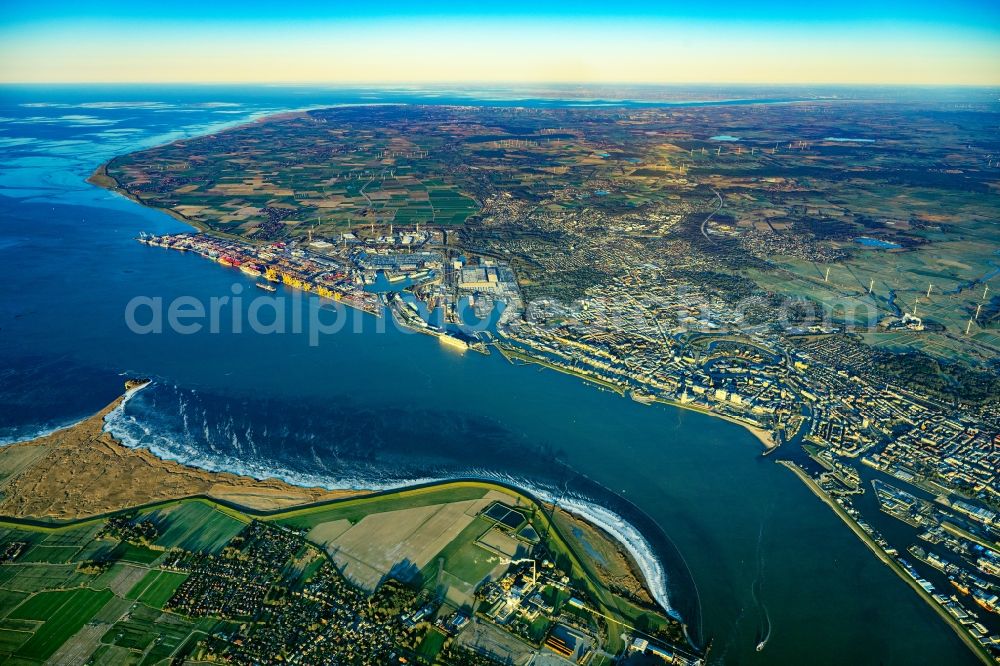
(525, 83)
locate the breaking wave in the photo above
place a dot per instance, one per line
(185, 447)
(26, 436)
(38, 433)
(624, 532)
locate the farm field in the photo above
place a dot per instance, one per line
(354, 510)
(156, 587)
(61, 620)
(347, 174)
(106, 601)
(390, 540)
(195, 526)
(64, 608)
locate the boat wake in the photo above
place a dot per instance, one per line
(764, 629)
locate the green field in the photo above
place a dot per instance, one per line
(462, 557)
(9, 600)
(11, 640)
(63, 622)
(41, 606)
(37, 577)
(143, 583)
(451, 207)
(136, 632)
(47, 604)
(50, 554)
(78, 536)
(132, 553)
(356, 509)
(195, 526)
(156, 587)
(112, 655)
(431, 644)
(168, 639)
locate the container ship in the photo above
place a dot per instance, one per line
(250, 269)
(987, 600)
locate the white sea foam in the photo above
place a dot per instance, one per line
(626, 534)
(640, 550)
(130, 432)
(45, 432)
(129, 394)
(36, 434)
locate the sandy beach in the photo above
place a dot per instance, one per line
(81, 471)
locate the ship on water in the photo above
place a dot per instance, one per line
(250, 269)
(266, 286)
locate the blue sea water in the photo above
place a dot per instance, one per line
(375, 406)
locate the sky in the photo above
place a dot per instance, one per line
(415, 41)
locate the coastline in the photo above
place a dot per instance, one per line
(81, 471)
(763, 436)
(646, 567)
(888, 561)
(101, 178)
(642, 561)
